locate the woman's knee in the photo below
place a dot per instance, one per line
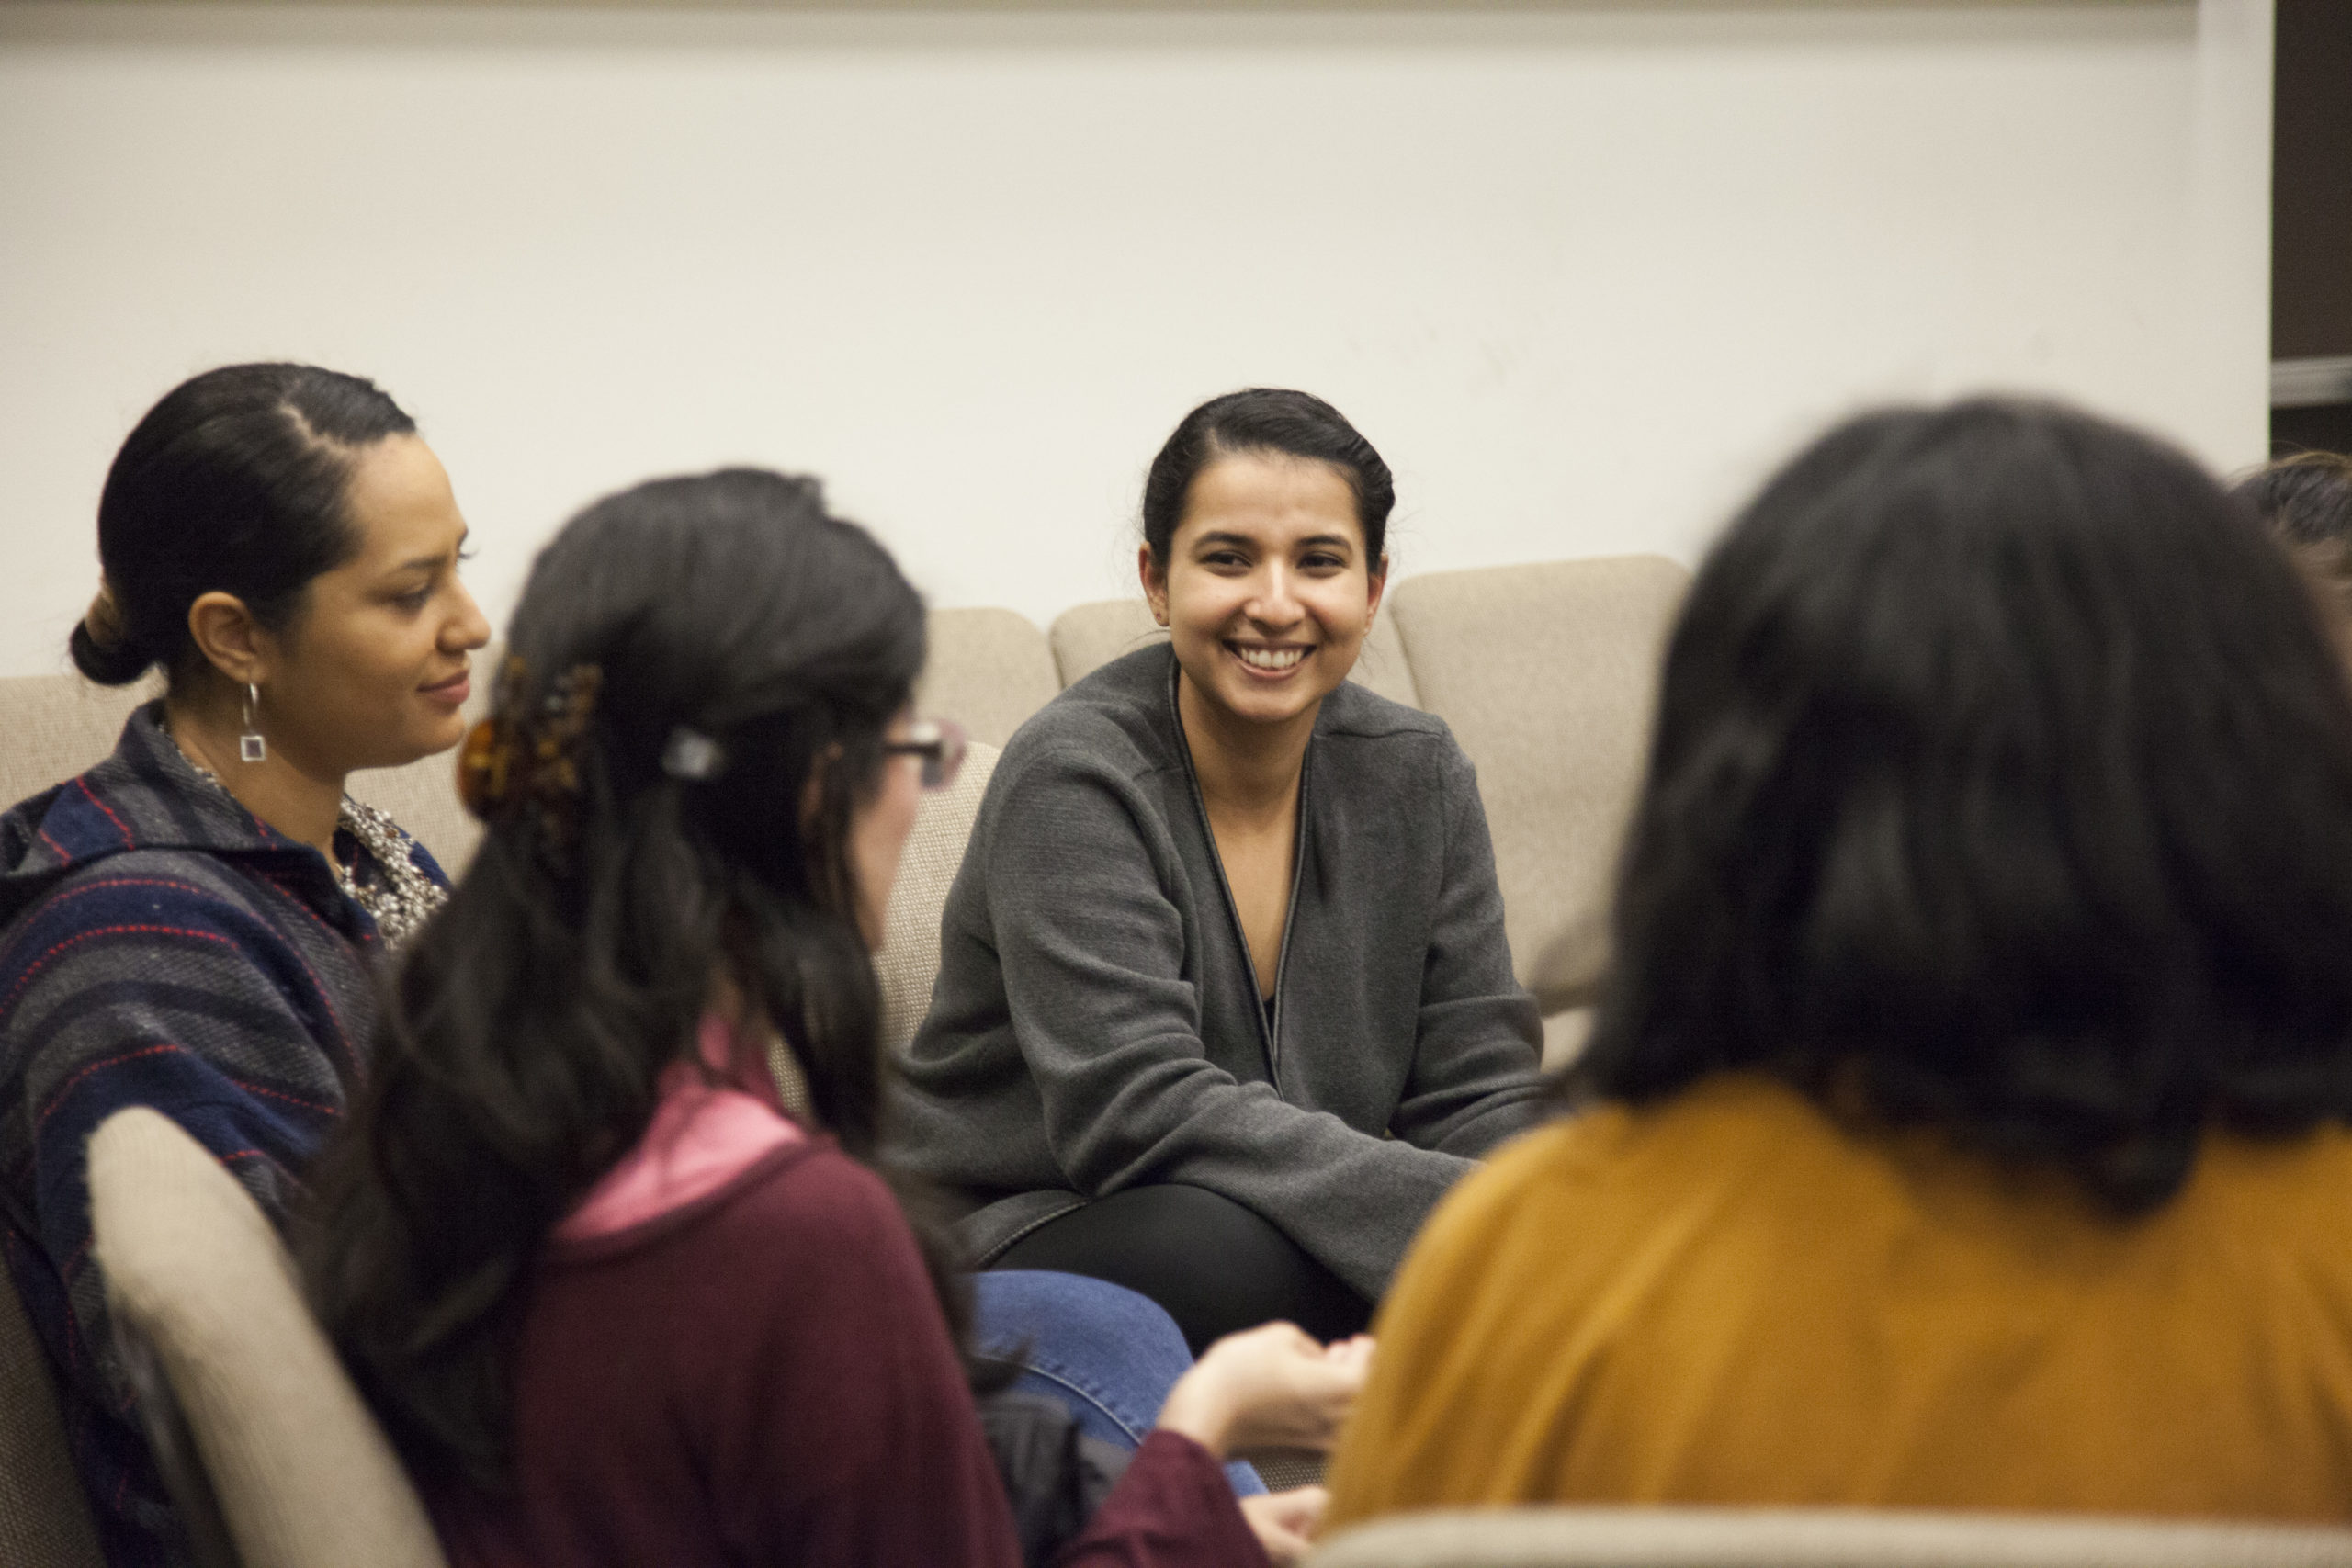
(1078, 1319)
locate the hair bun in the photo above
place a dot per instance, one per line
(102, 645)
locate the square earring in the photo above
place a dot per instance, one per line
(251, 746)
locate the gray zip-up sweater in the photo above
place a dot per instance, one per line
(1096, 1021)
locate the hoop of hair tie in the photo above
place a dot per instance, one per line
(691, 755)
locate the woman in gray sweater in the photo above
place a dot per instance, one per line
(1225, 1003)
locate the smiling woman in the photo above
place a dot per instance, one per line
(192, 923)
(1225, 1003)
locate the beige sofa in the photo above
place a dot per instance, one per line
(1545, 672)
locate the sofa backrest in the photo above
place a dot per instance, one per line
(1547, 674)
(1087, 637)
(988, 670)
(53, 727)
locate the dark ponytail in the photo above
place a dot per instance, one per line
(234, 483)
(534, 1018)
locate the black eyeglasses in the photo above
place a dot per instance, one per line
(940, 743)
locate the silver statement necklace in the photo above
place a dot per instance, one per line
(398, 897)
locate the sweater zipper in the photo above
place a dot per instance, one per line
(1268, 1019)
(1273, 1019)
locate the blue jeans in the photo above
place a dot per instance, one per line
(1107, 1353)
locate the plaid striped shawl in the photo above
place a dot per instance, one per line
(162, 947)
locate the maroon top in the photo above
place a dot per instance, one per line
(762, 1375)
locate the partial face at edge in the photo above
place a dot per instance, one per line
(877, 835)
(1267, 591)
(879, 824)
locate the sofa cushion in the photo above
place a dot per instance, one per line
(1087, 637)
(1547, 674)
(909, 960)
(303, 1474)
(989, 671)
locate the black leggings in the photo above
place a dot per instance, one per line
(1216, 1266)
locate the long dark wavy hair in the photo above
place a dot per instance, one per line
(2002, 784)
(518, 1058)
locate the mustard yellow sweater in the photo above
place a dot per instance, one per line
(1729, 1299)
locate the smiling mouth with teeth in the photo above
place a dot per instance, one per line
(1267, 657)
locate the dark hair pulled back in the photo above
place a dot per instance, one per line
(1260, 420)
(521, 1053)
(2002, 784)
(234, 483)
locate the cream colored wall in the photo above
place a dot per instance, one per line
(1580, 271)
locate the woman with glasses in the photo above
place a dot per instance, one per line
(607, 1242)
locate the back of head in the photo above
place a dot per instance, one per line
(701, 673)
(234, 483)
(2002, 784)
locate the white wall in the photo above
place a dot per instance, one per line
(1580, 273)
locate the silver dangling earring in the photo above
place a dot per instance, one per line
(251, 746)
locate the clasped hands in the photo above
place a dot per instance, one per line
(1272, 1387)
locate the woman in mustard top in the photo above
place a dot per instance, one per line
(1965, 1124)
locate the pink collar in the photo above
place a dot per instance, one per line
(703, 1136)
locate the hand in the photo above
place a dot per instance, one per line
(1285, 1522)
(1272, 1387)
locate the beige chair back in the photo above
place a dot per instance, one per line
(1547, 674)
(44, 1517)
(1801, 1538)
(303, 1474)
(989, 671)
(909, 962)
(1088, 636)
(53, 727)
